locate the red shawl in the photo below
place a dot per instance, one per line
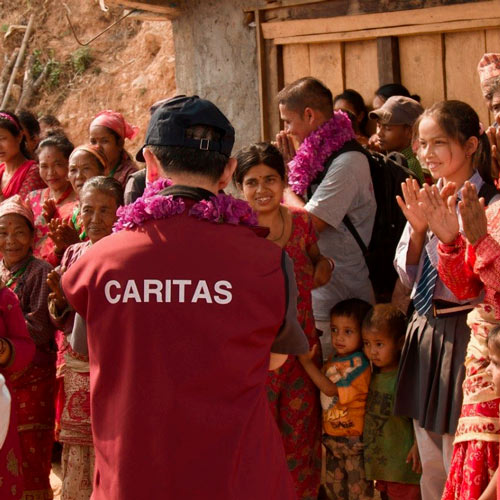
(17, 179)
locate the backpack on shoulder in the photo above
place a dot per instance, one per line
(387, 173)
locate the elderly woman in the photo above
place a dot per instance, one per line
(100, 198)
(33, 387)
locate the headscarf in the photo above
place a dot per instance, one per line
(16, 205)
(489, 67)
(94, 150)
(116, 122)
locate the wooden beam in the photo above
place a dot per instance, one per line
(388, 60)
(262, 75)
(168, 9)
(283, 3)
(476, 24)
(432, 15)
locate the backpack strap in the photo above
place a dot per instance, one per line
(348, 223)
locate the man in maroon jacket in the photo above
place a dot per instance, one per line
(185, 314)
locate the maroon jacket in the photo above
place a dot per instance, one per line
(181, 316)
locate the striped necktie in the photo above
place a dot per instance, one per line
(425, 287)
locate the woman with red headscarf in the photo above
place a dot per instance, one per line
(109, 129)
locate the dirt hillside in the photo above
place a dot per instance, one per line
(126, 69)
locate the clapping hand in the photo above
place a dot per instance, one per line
(493, 134)
(49, 209)
(473, 215)
(54, 283)
(409, 204)
(62, 234)
(439, 208)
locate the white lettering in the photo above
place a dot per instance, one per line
(182, 290)
(201, 292)
(131, 292)
(225, 296)
(153, 287)
(107, 290)
(168, 291)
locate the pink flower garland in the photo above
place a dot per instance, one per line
(151, 205)
(315, 150)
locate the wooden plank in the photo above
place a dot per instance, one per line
(422, 70)
(474, 25)
(432, 15)
(295, 62)
(271, 5)
(361, 68)
(462, 80)
(388, 60)
(169, 9)
(327, 64)
(262, 74)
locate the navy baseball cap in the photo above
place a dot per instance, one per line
(170, 118)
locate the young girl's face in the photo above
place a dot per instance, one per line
(263, 188)
(9, 145)
(82, 166)
(444, 156)
(493, 368)
(381, 349)
(346, 334)
(53, 167)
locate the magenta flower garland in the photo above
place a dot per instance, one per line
(151, 205)
(315, 150)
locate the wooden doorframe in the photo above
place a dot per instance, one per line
(384, 27)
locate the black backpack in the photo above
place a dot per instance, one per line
(387, 173)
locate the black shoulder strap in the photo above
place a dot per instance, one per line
(347, 222)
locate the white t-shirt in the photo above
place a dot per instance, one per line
(5, 401)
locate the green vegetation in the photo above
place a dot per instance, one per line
(81, 59)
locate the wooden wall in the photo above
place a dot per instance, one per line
(437, 56)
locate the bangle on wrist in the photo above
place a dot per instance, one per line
(330, 261)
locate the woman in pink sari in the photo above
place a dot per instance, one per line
(109, 129)
(18, 174)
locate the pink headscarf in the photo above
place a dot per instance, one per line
(489, 66)
(116, 122)
(15, 205)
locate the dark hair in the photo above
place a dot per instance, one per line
(179, 159)
(107, 185)
(59, 141)
(460, 122)
(15, 129)
(305, 93)
(352, 308)
(358, 104)
(29, 122)
(255, 154)
(392, 89)
(50, 121)
(388, 319)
